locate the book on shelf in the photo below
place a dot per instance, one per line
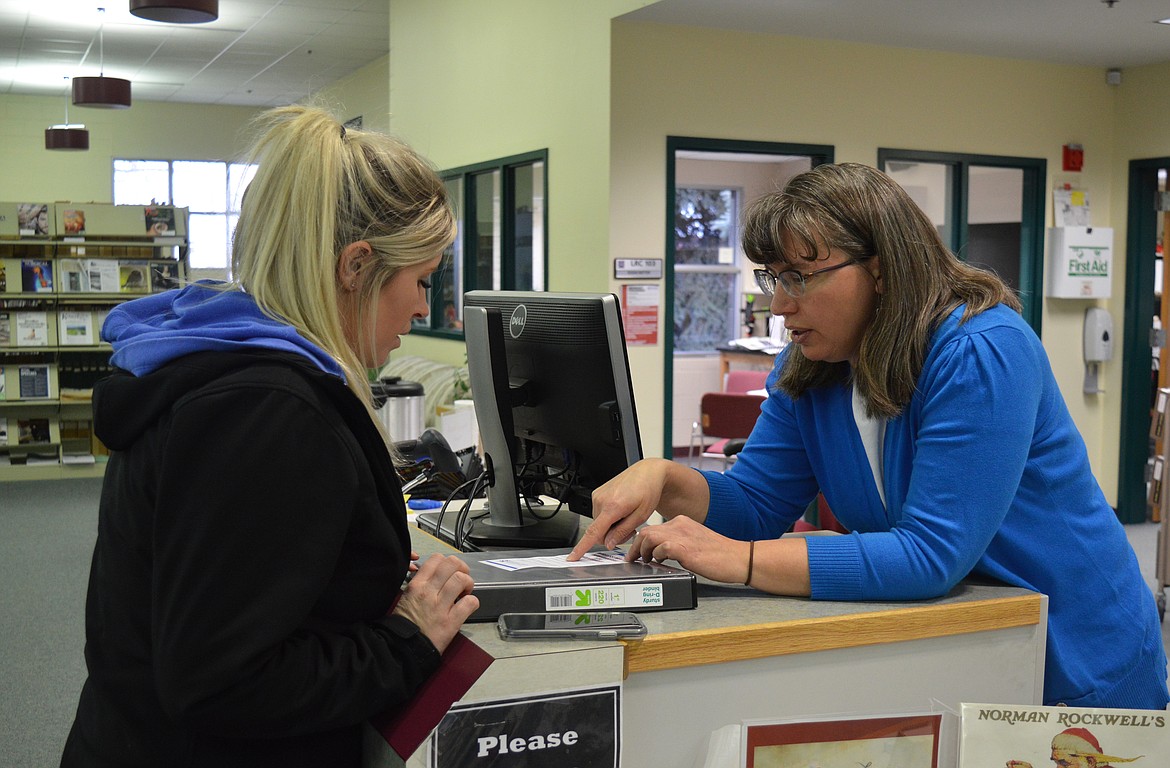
(5, 329)
(164, 275)
(3, 277)
(3, 385)
(3, 430)
(33, 219)
(31, 329)
(103, 275)
(35, 382)
(72, 276)
(33, 431)
(159, 220)
(74, 221)
(75, 327)
(133, 277)
(36, 276)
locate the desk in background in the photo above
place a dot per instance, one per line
(738, 355)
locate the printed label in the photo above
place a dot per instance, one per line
(603, 596)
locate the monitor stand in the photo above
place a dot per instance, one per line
(479, 532)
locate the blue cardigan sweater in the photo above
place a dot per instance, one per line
(985, 472)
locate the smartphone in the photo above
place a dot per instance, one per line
(595, 625)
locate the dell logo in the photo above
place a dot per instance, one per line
(517, 321)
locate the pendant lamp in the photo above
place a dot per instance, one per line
(176, 11)
(67, 136)
(101, 91)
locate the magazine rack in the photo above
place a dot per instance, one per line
(63, 267)
(1157, 503)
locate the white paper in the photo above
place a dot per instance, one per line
(557, 561)
(1071, 207)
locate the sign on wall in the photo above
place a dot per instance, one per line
(1080, 262)
(580, 727)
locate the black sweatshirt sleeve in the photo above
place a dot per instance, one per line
(256, 507)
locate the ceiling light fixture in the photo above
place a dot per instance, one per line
(101, 91)
(67, 136)
(176, 11)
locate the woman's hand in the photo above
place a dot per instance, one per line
(628, 500)
(695, 547)
(438, 599)
(622, 504)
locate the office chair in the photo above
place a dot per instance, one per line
(744, 381)
(728, 417)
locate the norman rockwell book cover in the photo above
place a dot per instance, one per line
(1019, 736)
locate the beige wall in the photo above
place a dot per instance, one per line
(468, 81)
(147, 130)
(858, 98)
(365, 94)
(472, 81)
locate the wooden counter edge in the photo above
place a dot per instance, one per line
(754, 641)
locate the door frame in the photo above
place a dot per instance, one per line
(817, 153)
(1138, 308)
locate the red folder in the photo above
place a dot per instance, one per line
(407, 725)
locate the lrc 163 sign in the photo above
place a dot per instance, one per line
(580, 728)
(637, 269)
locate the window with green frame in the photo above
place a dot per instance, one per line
(988, 209)
(502, 240)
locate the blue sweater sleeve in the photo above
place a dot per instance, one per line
(772, 480)
(952, 465)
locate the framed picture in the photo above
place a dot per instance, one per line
(1023, 736)
(900, 741)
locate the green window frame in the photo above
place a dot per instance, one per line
(1034, 175)
(501, 207)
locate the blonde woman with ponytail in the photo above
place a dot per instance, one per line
(245, 599)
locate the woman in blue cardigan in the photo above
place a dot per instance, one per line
(916, 399)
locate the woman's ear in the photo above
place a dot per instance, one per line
(875, 269)
(350, 264)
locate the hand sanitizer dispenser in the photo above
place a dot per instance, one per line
(1098, 339)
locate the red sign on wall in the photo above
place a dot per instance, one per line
(640, 314)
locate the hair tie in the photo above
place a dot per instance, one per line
(751, 562)
(343, 133)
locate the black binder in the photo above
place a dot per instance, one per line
(614, 586)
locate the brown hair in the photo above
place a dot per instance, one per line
(862, 212)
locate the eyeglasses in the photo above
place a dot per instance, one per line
(793, 281)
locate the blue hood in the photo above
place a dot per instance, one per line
(150, 332)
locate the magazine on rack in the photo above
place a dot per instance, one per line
(1022, 736)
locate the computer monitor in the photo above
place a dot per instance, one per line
(551, 385)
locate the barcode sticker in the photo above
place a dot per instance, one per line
(599, 596)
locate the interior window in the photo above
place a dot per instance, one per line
(501, 210)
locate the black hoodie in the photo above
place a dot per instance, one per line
(251, 539)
